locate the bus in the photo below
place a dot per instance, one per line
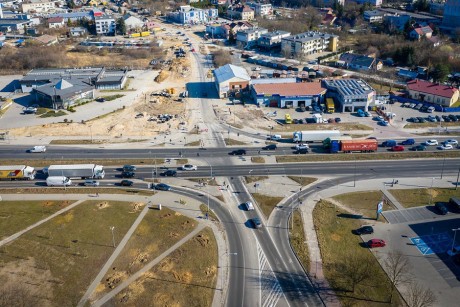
(330, 105)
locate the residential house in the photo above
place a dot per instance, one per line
(248, 38)
(132, 22)
(435, 40)
(421, 31)
(328, 18)
(272, 40)
(38, 6)
(77, 31)
(240, 12)
(230, 79)
(351, 94)
(215, 30)
(359, 62)
(191, 15)
(261, 9)
(105, 24)
(374, 16)
(451, 19)
(55, 22)
(230, 29)
(309, 43)
(287, 94)
(441, 94)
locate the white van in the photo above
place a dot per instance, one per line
(430, 110)
(37, 149)
(249, 206)
(59, 181)
(275, 137)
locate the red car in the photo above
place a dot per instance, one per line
(397, 148)
(376, 243)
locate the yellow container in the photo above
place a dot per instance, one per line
(146, 33)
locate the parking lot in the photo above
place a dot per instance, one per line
(425, 244)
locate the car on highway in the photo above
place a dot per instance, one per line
(365, 230)
(248, 206)
(162, 187)
(451, 142)
(129, 168)
(127, 174)
(37, 149)
(256, 223)
(446, 147)
(189, 167)
(301, 151)
(302, 146)
(431, 142)
(441, 207)
(91, 183)
(418, 148)
(238, 152)
(270, 147)
(126, 183)
(408, 142)
(397, 148)
(169, 173)
(376, 243)
(453, 251)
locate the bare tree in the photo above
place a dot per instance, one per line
(418, 296)
(397, 267)
(356, 268)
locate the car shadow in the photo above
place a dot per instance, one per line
(249, 224)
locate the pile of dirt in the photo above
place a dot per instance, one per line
(135, 207)
(187, 224)
(203, 240)
(162, 76)
(115, 278)
(139, 259)
(185, 277)
(210, 271)
(102, 205)
(173, 235)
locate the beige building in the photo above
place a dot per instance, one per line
(309, 43)
(422, 90)
(38, 6)
(242, 12)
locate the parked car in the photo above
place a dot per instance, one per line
(129, 168)
(256, 223)
(421, 119)
(445, 147)
(270, 147)
(438, 118)
(432, 118)
(238, 152)
(100, 99)
(397, 148)
(376, 243)
(162, 187)
(169, 173)
(383, 123)
(453, 118)
(419, 148)
(91, 183)
(127, 174)
(442, 208)
(126, 183)
(29, 110)
(189, 167)
(431, 142)
(365, 230)
(338, 120)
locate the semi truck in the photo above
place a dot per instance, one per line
(314, 136)
(348, 146)
(19, 172)
(327, 142)
(83, 171)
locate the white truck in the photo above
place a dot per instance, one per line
(19, 172)
(83, 171)
(314, 136)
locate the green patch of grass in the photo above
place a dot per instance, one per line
(303, 181)
(208, 181)
(82, 190)
(204, 209)
(41, 111)
(187, 277)
(112, 97)
(422, 197)
(231, 142)
(364, 203)
(298, 241)
(38, 161)
(430, 125)
(306, 127)
(181, 161)
(257, 159)
(68, 250)
(17, 215)
(157, 232)
(339, 249)
(367, 156)
(194, 143)
(251, 179)
(53, 114)
(266, 203)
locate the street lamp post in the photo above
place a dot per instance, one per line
(453, 242)
(113, 235)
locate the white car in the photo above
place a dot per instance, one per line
(301, 146)
(451, 142)
(249, 206)
(189, 167)
(446, 147)
(453, 251)
(37, 149)
(91, 183)
(431, 142)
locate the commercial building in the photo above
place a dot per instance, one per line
(191, 15)
(371, 2)
(132, 22)
(287, 94)
(249, 37)
(60, 88)
(272, 40)
(55, 22)
(451, 18)
(230, 79)
(441, 94)
(38, 6)
(105, 24)
(261, 9)
(309, 43)
(373, 16)
(77, 31)
(351, 94)
(240, 12)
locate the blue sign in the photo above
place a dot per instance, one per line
(380, 207)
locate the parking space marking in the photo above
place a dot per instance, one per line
(432, 244)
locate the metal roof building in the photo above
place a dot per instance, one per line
(351, 93)
(230, 79)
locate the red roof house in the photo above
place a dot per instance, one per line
(422, 90)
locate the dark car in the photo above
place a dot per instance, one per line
(169, 173)
(256, 222)
(301, 151)
(338, 120)
(126, 183)
(365, 230)
(238, 152)
(128, 174)
(129, 168)
(438, 118)
(442, 208)
(418, 148)
(421, 119)
(376, 243)
(408, 142)
(453, 118)
(270, 147)
(100, 99)
(162, 187)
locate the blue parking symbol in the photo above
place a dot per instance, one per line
(430, 244)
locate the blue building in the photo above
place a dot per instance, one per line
(191, 15)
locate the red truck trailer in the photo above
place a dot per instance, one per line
(368, 145)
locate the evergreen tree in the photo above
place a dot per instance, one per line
(121, 26)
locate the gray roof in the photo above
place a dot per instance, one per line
(253, 30)
(13, 21)
(64, 88)
(349, 87)
(309, 36)
(103, 17)
(275, 33)
(373, 13)
(72, 15)
(229, 71)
